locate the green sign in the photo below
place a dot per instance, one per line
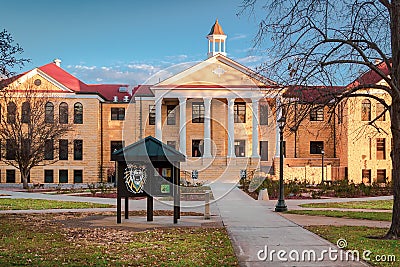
(165, 189)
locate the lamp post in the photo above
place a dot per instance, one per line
(281, 205)
(322, 166)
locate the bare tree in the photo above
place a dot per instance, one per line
(29, 127)
(321, 42)
(8, 55)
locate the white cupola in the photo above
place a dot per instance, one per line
(216, 40)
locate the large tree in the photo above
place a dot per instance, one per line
(29, 125)
(322, 42)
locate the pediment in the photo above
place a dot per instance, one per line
(36, 80)
(217, 71)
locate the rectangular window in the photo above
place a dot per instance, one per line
(10, 176)
(172, 144)
(366, 176)
(171, 114)
(380, 148)
(48, 176)
(316, 147)
(197, 112)
(239, 110)
(197, 148)
(117, 114)
(317, 114)
(264, 150)
(78, 149)
(240, 148)
(78, 176)
(10, 149)
(380, 109)
(63, 176)
(115, 146)
(263, 110)
(152, 115)
(63, 149)
(381, 176)
(49, 149)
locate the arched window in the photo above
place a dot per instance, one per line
(11, 112)
(366, 110)
(63, 113)
(78, 113)
(26, 112)
(49, 113)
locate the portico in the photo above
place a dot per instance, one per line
(217, 108)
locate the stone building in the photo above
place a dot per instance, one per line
(219, 113)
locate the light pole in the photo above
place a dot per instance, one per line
(322, 166)
(281, 205)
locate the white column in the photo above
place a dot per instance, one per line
(231, 128)
(158, 119)
(219, 46)
(182, 125)
(255, 153)
(224, 46)
(278, 116)
(207, 127)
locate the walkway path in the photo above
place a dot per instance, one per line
(253, 226)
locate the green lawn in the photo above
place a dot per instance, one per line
(42, 240)
(40, 204)
(376, 205)
(357, 237)
(376, 216)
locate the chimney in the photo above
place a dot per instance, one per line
(115, 99)
(57, 62)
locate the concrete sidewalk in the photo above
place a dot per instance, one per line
(253, 226)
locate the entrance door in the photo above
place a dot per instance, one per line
(197, 148)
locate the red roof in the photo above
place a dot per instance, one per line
(313, 94)
(371, 77)
(108, 91)
(142, 90)
(63, 77)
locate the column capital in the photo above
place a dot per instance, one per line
(255, 99)
(207, 98)
(182, 99)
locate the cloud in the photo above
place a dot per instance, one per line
(238, 36)
(250, 59)
(132, 72)
(145, 67)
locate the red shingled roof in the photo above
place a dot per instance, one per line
(142, 90)
(63, 77)
(371, 77)
(107, 91)
(313, 94)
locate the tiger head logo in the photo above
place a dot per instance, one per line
(135, 178)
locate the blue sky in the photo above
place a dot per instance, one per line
(125, 41)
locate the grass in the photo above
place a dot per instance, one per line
(41, 204)
(42, 240)
(375, 205)
(357, 237)
(375, 216)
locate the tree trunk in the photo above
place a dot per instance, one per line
(24, 178)
(394, 231)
